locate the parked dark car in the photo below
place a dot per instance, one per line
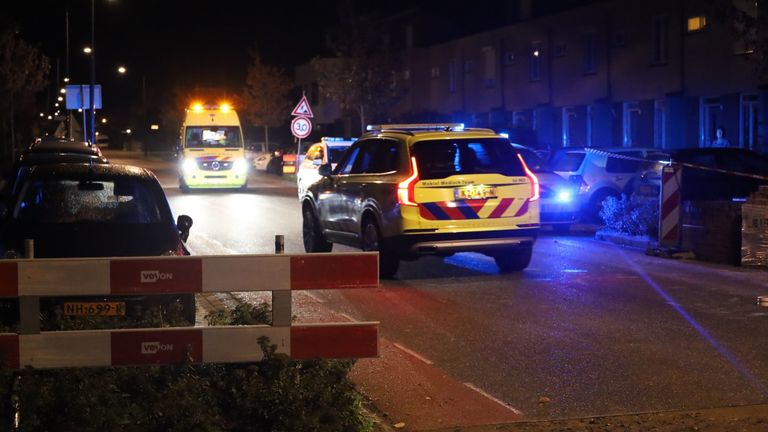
(47, 152)
(73, 210)
(708, 185)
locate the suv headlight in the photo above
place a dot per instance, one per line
(240, 166)
(188, 165)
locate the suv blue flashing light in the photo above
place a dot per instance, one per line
(504, 134)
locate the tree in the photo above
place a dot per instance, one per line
(361, 77)
(266, 95)
(23, 73)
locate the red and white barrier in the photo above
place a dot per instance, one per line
(670, 206)
(105, 276)
(161, 275)
(226, 344)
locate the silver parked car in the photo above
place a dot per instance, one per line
(603, 172)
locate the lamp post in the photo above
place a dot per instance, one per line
(92, 98)
(140, 115)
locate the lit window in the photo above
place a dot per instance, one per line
(697, 23)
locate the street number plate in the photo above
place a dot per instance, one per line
(472, 192)
(94, 308)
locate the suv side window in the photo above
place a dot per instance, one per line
(366, 158)
(345, 165)
(377, 156)
(619, 165)
(388, 156)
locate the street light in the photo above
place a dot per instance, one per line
(87, 50)
(121, 70)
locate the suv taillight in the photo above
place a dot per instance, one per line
(405, 190)
(534, 180)
(579, 182)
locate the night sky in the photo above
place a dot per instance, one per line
(173, 45)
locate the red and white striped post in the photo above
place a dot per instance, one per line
(670, 203)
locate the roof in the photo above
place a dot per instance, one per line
(436, 131)
(211, 117)
(63, 146)
(90, 171)
(37, 158)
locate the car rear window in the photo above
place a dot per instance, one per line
(533, 161)
(443, 158)
(77, 201)
(568, 162)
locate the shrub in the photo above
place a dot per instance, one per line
(637, 218)
(274, 394)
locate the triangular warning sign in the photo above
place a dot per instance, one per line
(302, 109)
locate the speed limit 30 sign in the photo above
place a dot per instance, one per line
(301, 127)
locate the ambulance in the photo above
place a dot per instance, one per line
(212, 154)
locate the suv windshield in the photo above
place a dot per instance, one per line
(213, 136)
(77, 201)
(443, 158)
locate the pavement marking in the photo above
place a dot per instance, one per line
(314, 297)
(413, 353)
(498, 401)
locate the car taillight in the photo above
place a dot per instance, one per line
(534, 180)
(579, 182)
(405, 190)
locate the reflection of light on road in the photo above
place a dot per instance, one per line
(755, 381)
(574, 271)
(475, 262)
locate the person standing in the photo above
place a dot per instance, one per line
(720, 139)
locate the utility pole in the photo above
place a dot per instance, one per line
(93, 73)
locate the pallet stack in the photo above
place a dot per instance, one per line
(754, 229)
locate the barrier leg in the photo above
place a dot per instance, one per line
(282, 309)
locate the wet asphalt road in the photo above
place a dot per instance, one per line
(596, 328)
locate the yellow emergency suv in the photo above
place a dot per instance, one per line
(426, 189)
(212, 152)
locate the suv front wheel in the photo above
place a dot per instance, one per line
(389, 262)
(314, 241)
(513, 260)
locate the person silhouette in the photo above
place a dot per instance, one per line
(720, 140)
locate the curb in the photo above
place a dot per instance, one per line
(749, 418)
(626, 240)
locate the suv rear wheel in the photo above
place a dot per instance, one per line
(513, 260)
(389, 262)
(313, 238)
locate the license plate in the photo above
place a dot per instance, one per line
(94, 308)
(473, 192)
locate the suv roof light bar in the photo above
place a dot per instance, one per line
(417, 127)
